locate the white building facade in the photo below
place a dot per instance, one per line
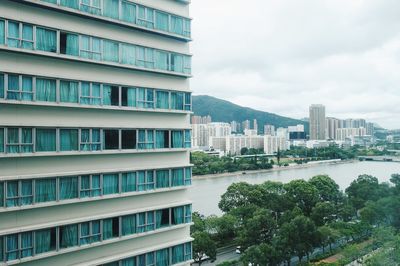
(274, 143)
(235, 143)
(94, 132)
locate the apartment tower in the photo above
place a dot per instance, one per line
(317, 122)
(94, 132)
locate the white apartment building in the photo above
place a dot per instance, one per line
(282, 132)
(94, 132)
(250, 132)
(269, 130)
(274, 143)
(331, 125)
(317, 122)
(343, 133)
(219, 129)
(218, 143)
(200, 136)
(235, 143)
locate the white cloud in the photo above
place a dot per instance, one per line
(282, 55)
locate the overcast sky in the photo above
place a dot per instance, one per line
(281, 56)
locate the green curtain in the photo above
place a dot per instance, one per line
(68, 187)
(150, 221)
(110, 50)
(12, 247)
(13, 140)
(27, 140)
(111, 8)
(128, 54)
(177, 139)
(110, 184)
(91, 6)
(177, 177)
(96, 140)
(141, 181)
(178, 215)
(128, 12)
(131, 94)
(26, 244)
(128, 182)
(1, 82)
(177, 25)
(27, 36)
(46, 40)
(70, 3)
(177, 254)
(141, 56)
(45, 190)
(107, 229)
(2, 32)
(141, 225)
(26, 192)
(188, 176)
(161, 61)
(188, 213)
(162, 178)
(68, 236)
(27, 88)
(145, 17)
(162, 257)
(43, 241)
(186, 27)
(150, 180)
(150, 139)
(45, 140)
(85, 93)
(45, 90)
(106, 94)
(150, 258)
(188, 251)
(96, 189)
(13, 34)
(162, 21)
(177, 100)
(96, 94)
(162, 99)
(68, 139)
(160, 140)
(12, 194)
(128, 225)
(13, 87)
(187, 64)
(85, 234)
(188, 101)
(72, 44)
(129, 262)
(85, 186)
(177, 63)
(158, 218)
(69, 91)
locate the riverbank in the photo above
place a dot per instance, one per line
(276, 168)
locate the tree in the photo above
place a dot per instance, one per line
(364, 188)
(198, 223)
(327, 188)
(239, 195)
(203, 245)
(244, 151)
(327, 236)
(263, 254)
(303, 194)
(323, 213)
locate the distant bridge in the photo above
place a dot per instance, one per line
(379, 158)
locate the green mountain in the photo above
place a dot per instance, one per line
(224, 111)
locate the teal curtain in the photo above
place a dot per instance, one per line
(106, 94)
(68, 187)
(188, 213)
(96, 94)
(128, 225)
(162, 21)
(177, 139)
(127, 54)
(27, 36)
(150, 98)
(85, 234)
(129, 262)
(13, 34)
(159, 218)
(2, 32)
(85, 186)
(68, 139)
(2, 140)
(1, 83)
(110, 184)
(96, 189)
(188, 102)
(91, 6)
(85, 140)
(177, 254)
(141, 180)
(45, 140)
(12, 247)
(188, 176)
(27, 88)
(177, 25)
(69, 91)
(128, 12)
(177, 63)
(26, 244)
(142, 139)
(150, 180)
(177, 100)
(177, 177)
(110, 50)
(1, 197)
(162, 99)
(72, 44)
(162, 178)
(188, 251)
(107, 229)
(160, 139)
(178, 215)
(45, 190)
(150, 221)
(70, 3)
(85, 92)
(131, 95)
(111, 8)
(68, 236)
(50, 1)
(96, 146)
(140, 56)
(12, 194)
(45, 90)
(150, 259)
(187, 64)
(27, 140)
(13, 140)
(26, 192)
(162, 257)
(46, 40)
(43, 241)
(13, 87)
(186, 27)
(161, 61)
(1, 248)
(145, 17)
(141, 224)
(150, 139)
(188, 138)
(95, 231)
(128, 182)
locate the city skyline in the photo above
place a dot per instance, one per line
(350, 68)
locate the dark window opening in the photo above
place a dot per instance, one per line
(63, 43)
(114, 95)
(166, 139)
(111, 139)
(165, 217)
(124, 96)
(53, 239)
(115, 227)
(128, 139)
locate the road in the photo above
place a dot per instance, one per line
(225, 254)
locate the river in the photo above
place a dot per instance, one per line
(206, 193)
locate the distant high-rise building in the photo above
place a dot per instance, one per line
(201, 119)
(245, 125)
(250, 132)
(235, 126)
(343, 133)
(282, 132)
(274, 143)
(200, 135)
(218, 129)
(296, 132)
(317, 122)
(359, 123)
(269, 130)
(234, 143)
(370, 128)
(332, 124)
(255, 125)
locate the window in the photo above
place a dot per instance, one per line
(162, 218)
(128, 52)
(2, 31)
(70, 3)
(188, 176)
(177, 25)
(45, 140)
(1, 80)
(177, 177)
(110, 95)
(89, 232)
(69, 140)
(176, 63)
(45, 240)
(1, 202)
(128, 225)
(19, 140)
(90, 186)
(45, 190)
(162, 21)
(162, 99)
(90, 140)
(146, 180)
(188, 214)
(91, 6)
(128, 182)
(146, 139)
(110, 50)
(20, 35)
(145, 57)
(177, 100)
(110, 228)
(68, 236)
(69, 43)
(12, 252)
(187, 64)
(90, 47)
(46, 40)
(162, 139)
(19, 193)
(45, 90)
(162, 60)
(128, 12)
(188, 251)
(188, 102)
(162, 178)
(111, 139)
(145, 98)
(2, 142)
(20, 88)
(111, 8)
(177, 139)
(178, 254)
(68, 188)
(188, 138)
(128, 97)
(110, 184)
(145, 222)
(145, 17)
(128, 137)
(90, 93)
(69, 91)
(186, 28)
